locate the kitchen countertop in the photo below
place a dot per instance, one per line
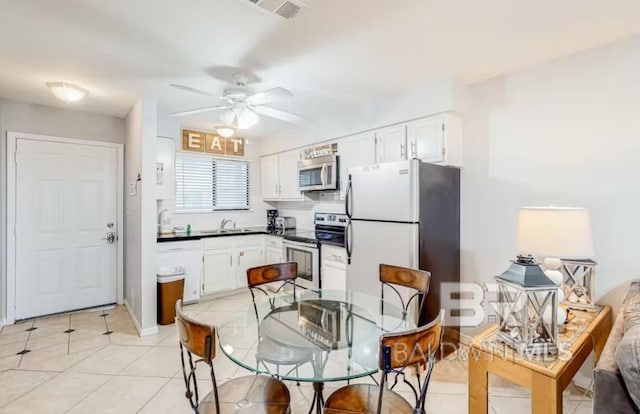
(247, 231)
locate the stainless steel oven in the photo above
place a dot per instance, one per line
(318, 174)
(307, 255)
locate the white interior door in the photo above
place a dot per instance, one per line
(66, 206)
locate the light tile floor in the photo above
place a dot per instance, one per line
(94, 362)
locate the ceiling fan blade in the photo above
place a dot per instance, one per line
(271, 95)
(199, 110)
(278, 114)
(193, 90)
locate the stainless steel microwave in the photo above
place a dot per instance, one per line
(318, 174)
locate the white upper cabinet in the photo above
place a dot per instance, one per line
(354, 151)
(391, 144)
(270, 180)
(436, 139)
(288, 168)
(165, 170)
(279, 174)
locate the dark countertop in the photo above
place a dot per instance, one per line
(197, 235)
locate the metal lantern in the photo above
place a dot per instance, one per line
(527, 312)
(578, 284)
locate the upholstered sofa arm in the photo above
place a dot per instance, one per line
(610, 393)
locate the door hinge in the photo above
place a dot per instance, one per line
(444, 151)
(443, 127)
(15, 156)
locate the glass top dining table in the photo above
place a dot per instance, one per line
(313, 336)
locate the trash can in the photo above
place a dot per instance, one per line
(170, 290)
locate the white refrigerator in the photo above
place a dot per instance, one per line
(407, 214)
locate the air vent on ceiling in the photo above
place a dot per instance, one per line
(283, 8)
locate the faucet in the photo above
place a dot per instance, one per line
(224, 222)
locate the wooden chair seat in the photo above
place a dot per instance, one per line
(253, 394)
(363, 398)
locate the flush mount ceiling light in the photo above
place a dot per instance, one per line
(225, 131)
(67, 92)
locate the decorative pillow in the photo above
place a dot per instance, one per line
(631, 311)
(628, 350)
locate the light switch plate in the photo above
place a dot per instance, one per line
(133, 188)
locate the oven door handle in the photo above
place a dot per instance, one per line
(306, 246)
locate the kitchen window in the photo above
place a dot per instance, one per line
(211, 184)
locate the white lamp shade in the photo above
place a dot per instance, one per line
(560, 232)
(228, 116)
(246, 118)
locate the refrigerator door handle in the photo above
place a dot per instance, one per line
(348, 203)
(348, 241)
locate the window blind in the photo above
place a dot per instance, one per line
(209, 184)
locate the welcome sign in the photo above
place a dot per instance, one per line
(200, 141)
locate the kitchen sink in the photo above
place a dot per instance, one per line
(224, 231)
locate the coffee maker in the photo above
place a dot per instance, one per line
(271, 220)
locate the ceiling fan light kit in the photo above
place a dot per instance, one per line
(241, 108)
(246, 118)
(67, 92)
(225, 131)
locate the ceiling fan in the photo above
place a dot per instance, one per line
(241, 108)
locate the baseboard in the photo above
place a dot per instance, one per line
(141, 332)
(3, 323)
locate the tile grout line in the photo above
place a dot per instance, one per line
(89, 394)
(27, 341)
(154, 395)
(69, 337)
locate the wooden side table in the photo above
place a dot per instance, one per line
(546, 376)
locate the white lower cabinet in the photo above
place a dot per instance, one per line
(226, 260)
(334, 267)
(219, 271)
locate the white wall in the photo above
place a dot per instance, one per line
(140, 209)
(38, 119)
(564, 133)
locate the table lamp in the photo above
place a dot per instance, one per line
(562, 236)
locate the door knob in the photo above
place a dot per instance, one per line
(111, 238)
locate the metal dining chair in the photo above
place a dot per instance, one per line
(257, 277)
(399, 355)
(392, 276)
(268, 351)
(263, 394)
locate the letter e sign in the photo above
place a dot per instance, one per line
(193, 140)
